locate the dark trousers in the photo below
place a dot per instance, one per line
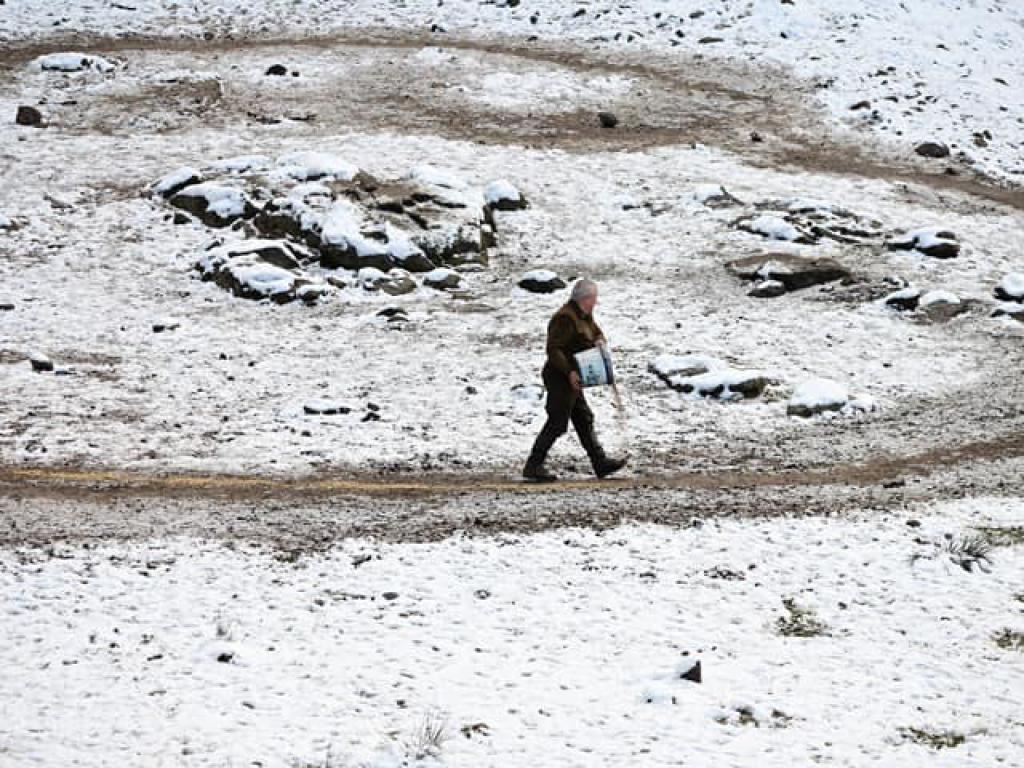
(564, 405)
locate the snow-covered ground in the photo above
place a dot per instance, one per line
(941, 70)
(849, 642)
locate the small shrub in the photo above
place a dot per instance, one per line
(970, 552)
(932, 739)
(799, 621)
(1009, 640)
(429, 738)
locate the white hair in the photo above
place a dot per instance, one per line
(583, 288)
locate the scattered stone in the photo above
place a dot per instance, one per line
(6, 306)
(932, 149)
(710, 40)
(442, 279)
(325, 408)
(394, 282)
(1011, 287)
(276, 70)
(1011, 310)
(707, 377)
(940, 306)
(29, 116)
(794, 272)
(715, 196)
(40, 362)
(691, 670)
(393, 314)
(860, 105)
(767, 289)
(541, 281)
(774, 228)
(166, 325)
(931, 241)
(607, 119)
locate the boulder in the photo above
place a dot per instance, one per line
(723, 384)
(932, 149)
(668, 367)
(502, 195)
(1011, 287)
(794, 272)
(215, 205)
(607, 119)
(940, 306)
(931, 241)
(442, 279)
(817, 396)
(276, 70)
(40, 362)
(29, 116)
(541, 281)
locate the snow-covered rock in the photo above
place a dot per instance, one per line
(442, 279)
(261, 269)
(345, 242)
(905, 299)
(794, 272)
(323, 407)
(931, 241)
(936, 297)
(405, 252)
(175, 181)
(216, 205)
(816, 396)
(72, 62)
(772, 227)
(502, 195)
(1010, 288)
(6, 222)
(541, 281)
(706, 376)
(241, 164)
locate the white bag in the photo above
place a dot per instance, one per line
(595, 366)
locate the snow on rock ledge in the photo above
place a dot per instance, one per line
(794, 272)
(215, 205)
(932, 241)
(175, 181)
(708, 377)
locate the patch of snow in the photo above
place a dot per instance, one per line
(938, 297)
(5, 222)
(820, 393)
(341, 227)
(774, 228)
(539, 275)
(241, 163)
(668, 366)
(310, 165)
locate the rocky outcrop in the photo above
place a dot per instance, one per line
(792, 271)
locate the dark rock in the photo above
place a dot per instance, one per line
(390, 595)
(607, 119)
(225, 657)
(905, 300)
(794, 272)
(939, 244)
(29, 116)
(276, 70)
(6, 307)
(325, 408)
(861, 105)
(165, 326)
(693, 673)
(206, 202)
(710, 40)
(932, 149)
(541, 282)
(442, 279)
(181, 217)
(40, 363)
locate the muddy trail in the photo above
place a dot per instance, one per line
(380, 81)
(41, 506)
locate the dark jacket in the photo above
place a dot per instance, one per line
(570, 331)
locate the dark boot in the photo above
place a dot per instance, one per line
(605, 466)
(536, 471)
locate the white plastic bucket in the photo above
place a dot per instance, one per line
(595, 367)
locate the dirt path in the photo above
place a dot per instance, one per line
(673, 101)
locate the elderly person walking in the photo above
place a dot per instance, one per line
(572, 329)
